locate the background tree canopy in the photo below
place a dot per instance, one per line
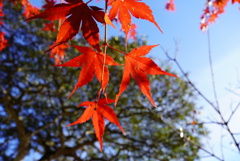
(34, 109)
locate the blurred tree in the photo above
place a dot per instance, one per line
(34, 110)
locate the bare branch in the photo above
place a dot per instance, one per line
(215, 107)
(211, 69)
(233, 112)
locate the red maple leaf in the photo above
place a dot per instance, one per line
(138, 67)
(1, 13)
(234, 1)
(3, 41)
(49, 27)
(170, 6)
(136, 8)
(48, 4)
(75, 13)
(91, 63)
(98, 111)
(30, 10)
(58, 53)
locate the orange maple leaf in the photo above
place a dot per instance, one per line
(212, 17)
(138, 67)
(75, 13)
(91, 63)
(98, 111)
(213, 10)
(136, 8)
(133, 32)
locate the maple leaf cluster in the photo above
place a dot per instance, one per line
(213, 9)
(75, 16)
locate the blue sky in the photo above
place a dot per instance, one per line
(183, 26)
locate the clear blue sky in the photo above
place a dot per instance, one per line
(183, 26)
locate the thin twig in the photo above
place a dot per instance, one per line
(221, 143)
(205, 98)
(45, 126)
(233, 111)
(233, 92)
(177, 131)
(212, 72)
(186, 138)
(188, 80)
(89, 1)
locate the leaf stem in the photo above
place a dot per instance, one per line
(60, 20)
(104, 56)
(106, 44)
(89, 1)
